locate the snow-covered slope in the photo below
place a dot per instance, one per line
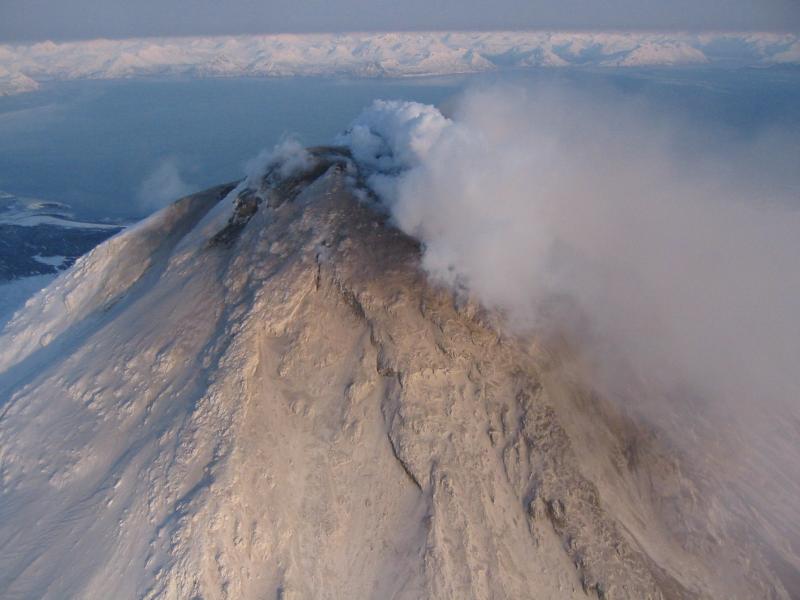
(256, 394)
(379, 54)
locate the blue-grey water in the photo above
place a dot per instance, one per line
(91, 144)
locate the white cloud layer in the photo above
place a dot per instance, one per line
(378, 54)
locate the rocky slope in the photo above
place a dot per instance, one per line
(256, 394)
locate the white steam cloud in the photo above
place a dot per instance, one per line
(289, 156)
(162, 186)
(669, 257)
(527, 196)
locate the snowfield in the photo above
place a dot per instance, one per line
(24, 66)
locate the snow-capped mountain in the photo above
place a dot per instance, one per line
(22, 66)
(14, 82)
(257, 393)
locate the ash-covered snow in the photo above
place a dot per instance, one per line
(296, 412)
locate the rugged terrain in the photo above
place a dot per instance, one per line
(256, 393)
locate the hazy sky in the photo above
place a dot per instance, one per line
(66, 19)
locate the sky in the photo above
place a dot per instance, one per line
(31, 20)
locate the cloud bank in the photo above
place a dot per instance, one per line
(24, 66)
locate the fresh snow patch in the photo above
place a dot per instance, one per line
(53, 261)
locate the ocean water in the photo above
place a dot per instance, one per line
(92, 144)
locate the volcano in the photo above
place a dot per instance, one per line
(258, 393)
